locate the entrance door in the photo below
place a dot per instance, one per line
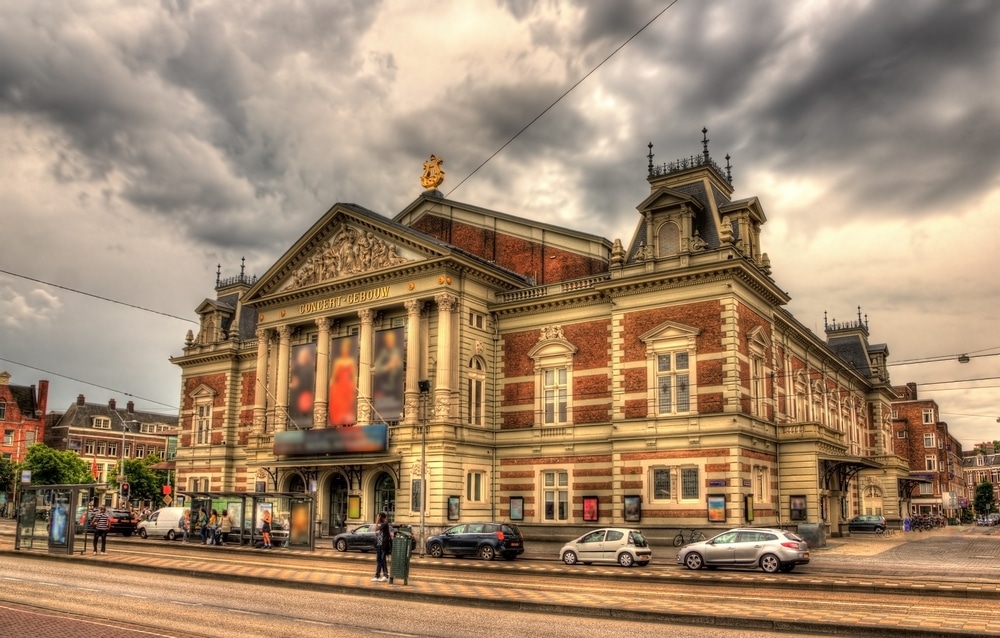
(338, 505)
(385, 497)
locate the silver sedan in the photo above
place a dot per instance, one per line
(772, 550)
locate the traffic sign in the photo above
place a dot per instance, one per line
(25, 476)
(167, 500)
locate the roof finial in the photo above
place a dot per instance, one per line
(243, 266)
(859, 314)
(705, 140)
(650, 156)
(826, 326)
(218, 275)
(729, 171)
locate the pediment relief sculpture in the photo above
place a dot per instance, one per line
(349, 252)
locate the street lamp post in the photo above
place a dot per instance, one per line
(121, 467)
(425, 388)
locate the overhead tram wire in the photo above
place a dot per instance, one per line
(89, 294)
(95, 385)
(560, 98)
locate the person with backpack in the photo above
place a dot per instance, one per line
(383, 547)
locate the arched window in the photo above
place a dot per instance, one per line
(668, 240)
(477, 391)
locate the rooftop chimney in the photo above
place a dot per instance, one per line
(130, 407)
(111, 404)
(80, 400)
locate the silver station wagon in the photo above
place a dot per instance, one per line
(772, 550)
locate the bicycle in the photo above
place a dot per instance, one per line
(693, 537)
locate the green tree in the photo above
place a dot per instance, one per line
(8, 472)
(49, 466)
(984, 499)
(144, 483)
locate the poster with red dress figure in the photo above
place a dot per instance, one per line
(343, 397)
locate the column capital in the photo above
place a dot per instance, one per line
(261, 333)
(413, 306)
(446, 302)
(366, 315)
(284, 332)
(323, 323)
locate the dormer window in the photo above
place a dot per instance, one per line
(102, 423)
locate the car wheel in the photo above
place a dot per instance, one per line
(486, 552)
(625, 559)
(879, 531)
(770, 563)
(170, 534)
(340, 545)
(569, 557)
(435, 550)
(142, 533)
(694, 561)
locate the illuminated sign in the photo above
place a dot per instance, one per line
(353, 440)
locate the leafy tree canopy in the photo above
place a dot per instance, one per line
(984, 499)
(144, 483)
(49, 466)
(8, 472)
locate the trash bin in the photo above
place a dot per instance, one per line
(399, 566)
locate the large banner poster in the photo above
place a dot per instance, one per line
(387, 375)
(302, 385)
(343, 397)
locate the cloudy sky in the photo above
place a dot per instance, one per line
(143, 143)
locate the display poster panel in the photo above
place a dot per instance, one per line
(302, 385)
(387, 375)
(300, 524)
(343, 396)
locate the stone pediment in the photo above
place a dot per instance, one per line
(664, 198)
(348, 251)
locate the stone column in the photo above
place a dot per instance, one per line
(260, 386)
(322, 373)
(365, 367)
(411, 399)
(281, 386)
(445, 354)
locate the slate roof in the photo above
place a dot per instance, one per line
(24, 397)
(82, 416)
(852, 349)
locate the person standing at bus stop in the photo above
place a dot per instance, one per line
(102, 523)
(383, 536)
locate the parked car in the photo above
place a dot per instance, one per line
(624, 546)
(866, 523)
(166, 522)
(122, 521)
(362, 538)
(770, 549)
(486, 540)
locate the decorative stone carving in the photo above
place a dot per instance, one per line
(349, 252)
(617, 253)
(442, 406)
(480, 347)
(697, 243)
(446, 302)
(551, 332)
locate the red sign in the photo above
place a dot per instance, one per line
(166, 489)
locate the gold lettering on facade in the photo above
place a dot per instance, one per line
(350, 299)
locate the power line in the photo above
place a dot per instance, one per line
(96, 385)
(89, 294)
(559, 99)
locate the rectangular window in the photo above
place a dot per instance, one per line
(8, 437)
(128, 450)
(927, 488)
(3, 411)
(140, 452)
(930, 463)
(556, 495)
(928, 416)
(661, 484)
(203, 426)
(101, 447)
(928, 439)
(88, 447)
(476, 401)
(102, 423)
(556, 392)
(476, 320)
(474, 487)
(901, 434)
(672, 380)
(689, 484)
(112, 449)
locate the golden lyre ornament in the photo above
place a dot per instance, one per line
(433, 175)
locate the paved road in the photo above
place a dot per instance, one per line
(929, 584)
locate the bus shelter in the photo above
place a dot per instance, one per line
(291, 513)
(49, 516)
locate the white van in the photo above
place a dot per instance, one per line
(166, 522)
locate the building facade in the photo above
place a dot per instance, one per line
(22, 416)
(456, 363)
(934, 455)
(982, 465)
(104, 434)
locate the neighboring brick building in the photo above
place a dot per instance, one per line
(934, 455)
(982, 464)
(102, 434)
(659, 378)
(22, 416)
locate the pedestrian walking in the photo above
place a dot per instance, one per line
(102, 523)
(265, 529)
(186, 526)
(383, 541)
(213, 524)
